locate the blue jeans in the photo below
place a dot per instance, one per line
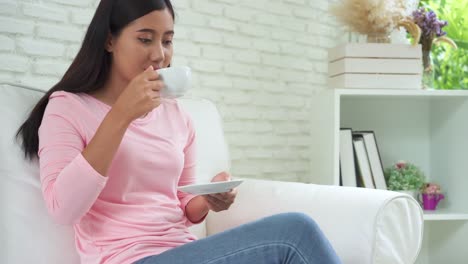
(288, 238)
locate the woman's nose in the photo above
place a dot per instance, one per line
(157, 53)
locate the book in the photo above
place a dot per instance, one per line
(373, 155)
(347, 166)
(362, 161)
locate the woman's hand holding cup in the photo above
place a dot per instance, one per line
(141, 95)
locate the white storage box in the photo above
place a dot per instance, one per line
(375, 65)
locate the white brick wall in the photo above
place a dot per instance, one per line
(259, 61)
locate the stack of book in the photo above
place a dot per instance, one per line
(360, 162)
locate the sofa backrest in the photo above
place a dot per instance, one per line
(27, 233)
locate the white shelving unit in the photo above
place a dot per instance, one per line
(426, 127)
(444, 215)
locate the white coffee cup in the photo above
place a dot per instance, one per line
(177, 81)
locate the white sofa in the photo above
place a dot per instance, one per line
(364, 226)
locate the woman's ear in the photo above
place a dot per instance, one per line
(109, 46)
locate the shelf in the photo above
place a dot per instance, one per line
(401, 92)
(444, 215)
(426, 127)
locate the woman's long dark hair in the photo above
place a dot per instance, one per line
(91, 67)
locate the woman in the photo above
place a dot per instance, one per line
(112, 154)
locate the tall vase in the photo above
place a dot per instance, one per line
(428, 70)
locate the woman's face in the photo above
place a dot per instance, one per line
(145, 41)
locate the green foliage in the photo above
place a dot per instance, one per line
(451, 66)
(404, 177)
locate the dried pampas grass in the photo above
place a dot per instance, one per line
(371, 17)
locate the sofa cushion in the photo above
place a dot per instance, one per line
(212, 150)
(26, 223)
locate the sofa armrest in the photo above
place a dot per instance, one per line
(363, 225)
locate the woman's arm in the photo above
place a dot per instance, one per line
(196, 209)
(102, 148)
(71, 172)
(138, 98)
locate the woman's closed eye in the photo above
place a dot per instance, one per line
(149, 41)
(145, 40)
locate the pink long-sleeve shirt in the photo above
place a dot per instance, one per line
(134, 212)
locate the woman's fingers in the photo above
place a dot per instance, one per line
(155, 85)
(153, 89)
(222, 176)
(150, 74)
(225, 197)
(221, 201)
(213, 203)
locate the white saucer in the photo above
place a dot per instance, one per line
(209, 188)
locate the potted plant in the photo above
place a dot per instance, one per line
(404, 177)
(431, 195)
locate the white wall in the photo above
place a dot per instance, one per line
(260, 61)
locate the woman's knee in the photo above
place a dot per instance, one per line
(295, 222)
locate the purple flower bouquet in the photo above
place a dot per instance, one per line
(431, 32)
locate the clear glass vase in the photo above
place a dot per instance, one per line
(428, 70)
